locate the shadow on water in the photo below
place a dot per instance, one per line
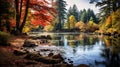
(92, 50)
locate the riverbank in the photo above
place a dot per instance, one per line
(10, 59)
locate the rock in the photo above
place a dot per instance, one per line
(19, 52)
(30, 43)
(71, 62)
(42, 37)
(32, 56)
(44, 50)
(30, 63)
(40, 58)
(48, 37)
(50, 54)
(33, 37)
(58, 56)
(82, 65)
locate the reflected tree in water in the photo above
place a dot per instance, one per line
(112, 51)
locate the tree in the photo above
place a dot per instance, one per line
(72, 22)
(88, 14)
(107, 7)
(116, 20)
(91, 26)
(112, 23)
(73, 11)
(108, 22)
(80, 14)
(49, 28)
(84, 16)
(6, 14)
(76, 12)
(95, 19)
(70, 12)
(80, 25)
(61, 13)
(109, 13)
(42, 12)
(20, 22)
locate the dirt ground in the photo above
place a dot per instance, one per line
(8, 59)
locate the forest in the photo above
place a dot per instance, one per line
(25, 23)
(26, 16)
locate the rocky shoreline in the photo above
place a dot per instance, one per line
(32, 52)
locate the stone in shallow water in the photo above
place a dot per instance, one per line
(30, 43)
(50, 54)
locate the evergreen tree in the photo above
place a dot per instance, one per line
(84, 16)
(80, 13)
(93, 16)
(76, 12)
(88, 14)
(73, 11)
(61, 4)
(70, 12)
(107, 7)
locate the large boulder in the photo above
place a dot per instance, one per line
(30, 43)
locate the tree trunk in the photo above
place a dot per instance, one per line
(114, 6)
(59, 23)
(25, 16)
(21, 3)
(17, 14)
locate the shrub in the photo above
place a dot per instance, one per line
(4, 38)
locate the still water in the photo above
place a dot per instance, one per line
(92, 50)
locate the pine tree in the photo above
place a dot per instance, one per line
(61, 4)
(80, 14)
(106, 7)
(88, 14)
(76, 12)
(84, 16)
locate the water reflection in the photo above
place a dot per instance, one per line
(112, 51)
(92, 50)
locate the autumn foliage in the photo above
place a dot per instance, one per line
(37, 12)
(41, 18)
(42, 12)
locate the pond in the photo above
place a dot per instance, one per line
(92, 50)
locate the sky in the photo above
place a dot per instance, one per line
(81, 4)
